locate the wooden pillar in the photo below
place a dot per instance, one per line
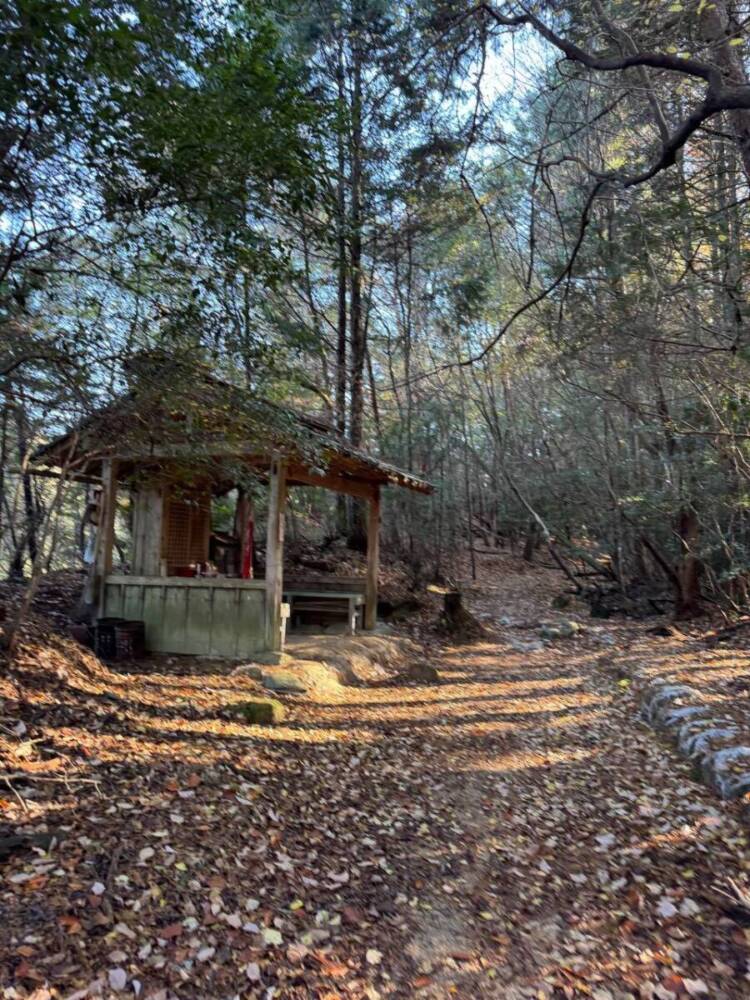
(105, 535)
(275, 552)
(373, 559)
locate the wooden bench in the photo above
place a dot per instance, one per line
(327, 602)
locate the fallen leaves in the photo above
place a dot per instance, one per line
(72, 925)
(666, 908)
(252, 971)
(117, 978)
(296, 953)
(513, 823)
(695, 987)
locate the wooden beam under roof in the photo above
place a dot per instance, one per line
(300, 476)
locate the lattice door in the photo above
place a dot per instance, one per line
(187, 531)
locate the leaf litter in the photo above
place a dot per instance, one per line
(511, 832)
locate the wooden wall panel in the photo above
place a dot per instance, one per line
(202, 616)
(252, 616)
(148, 517)
(132, 603)
(199, 623)
(226, 624)
(175, 618)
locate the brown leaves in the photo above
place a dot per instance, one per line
(171, 931)
(26, 971)
(514, 814)
(672, 983)
(70, 924)
(330, 968)
(353, 916)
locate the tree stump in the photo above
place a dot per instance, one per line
(452, 605)
(459, 623)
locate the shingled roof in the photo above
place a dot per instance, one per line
(233, 424)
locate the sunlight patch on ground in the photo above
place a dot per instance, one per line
(575, 719)
(488, 707)
(671, 838)
(218, 729)
(526, 760)
(450, 691)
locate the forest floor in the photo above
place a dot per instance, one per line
(513, 831)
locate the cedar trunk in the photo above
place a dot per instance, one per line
(688, 597)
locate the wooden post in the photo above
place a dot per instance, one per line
(275, 552)
(105, 535)
(373, 559)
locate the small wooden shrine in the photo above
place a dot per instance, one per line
(172, 469)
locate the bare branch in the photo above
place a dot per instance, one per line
(718, 96)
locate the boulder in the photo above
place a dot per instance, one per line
(710, 742)
(561, 630)
(606, 639)
(664, 697)
(526, 647)
(550, 632)
(728, 771)
(703, 742)
(671, 717)
(424, 673)
(261, 712)
(272, 658)
(283, 681)
(251, 670)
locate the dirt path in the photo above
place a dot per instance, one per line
(512, 832)
(564, 851)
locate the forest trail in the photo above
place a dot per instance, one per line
(563, 850)
(511, 832)
(385, 290)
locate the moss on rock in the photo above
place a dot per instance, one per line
(261, 711)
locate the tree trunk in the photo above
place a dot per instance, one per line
(531, 543)
(356, 326)
(459, 623)
(688, 598)
(357, 332)
(342, 517)
(10, 639)
(29, 536)
(3, 460)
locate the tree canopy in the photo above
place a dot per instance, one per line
(504, 245)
